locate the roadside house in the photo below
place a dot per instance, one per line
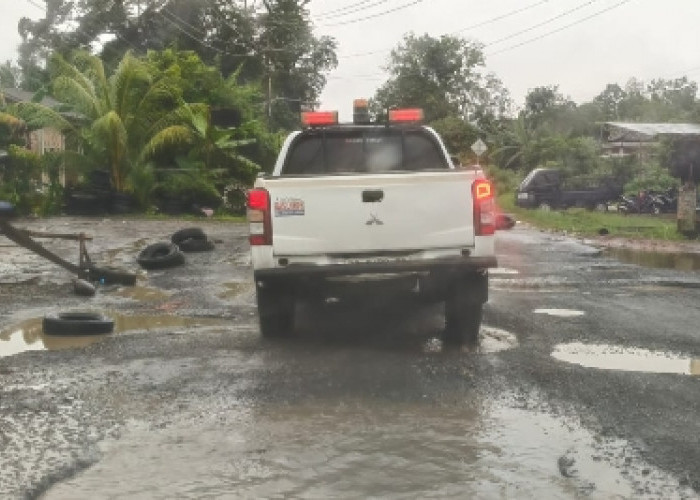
(640, 139)
(43, 140)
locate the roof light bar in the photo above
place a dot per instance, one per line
(319, 118)
(360, 111)
(408, 115)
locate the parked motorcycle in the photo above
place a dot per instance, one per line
(643, 203)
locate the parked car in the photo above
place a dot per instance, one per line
(543, 188)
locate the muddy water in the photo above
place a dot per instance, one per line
(361, 449)
(678, 261)
(28, 335)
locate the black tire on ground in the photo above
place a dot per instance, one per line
(195, 245)
(77, 323)
(83, 288)
(160, 256)
(110, 276)
(462, 317)
(188, 233)
(276, 305)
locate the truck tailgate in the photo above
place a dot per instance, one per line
(371, 213)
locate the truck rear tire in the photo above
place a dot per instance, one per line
(276, 304)
(462, 317)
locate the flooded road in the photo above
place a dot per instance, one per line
(584, 384)
(361, 449)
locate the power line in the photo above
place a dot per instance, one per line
(498, 18)
(349, 9)
(164, 11)
(558, 30)
(543, 23)
(373, 16)
(467, 28)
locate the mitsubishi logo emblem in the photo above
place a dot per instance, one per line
(373, 219)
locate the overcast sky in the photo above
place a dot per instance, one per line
(580, 45)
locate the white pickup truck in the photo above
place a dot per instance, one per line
(364, 203)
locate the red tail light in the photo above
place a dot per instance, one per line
(319, 118)
(259, 217)
(410, 115)
(484, 208)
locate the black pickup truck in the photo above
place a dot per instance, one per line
(542, 188)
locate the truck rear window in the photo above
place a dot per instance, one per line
(363, 151)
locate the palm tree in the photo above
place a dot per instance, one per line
(118, 111)
(214, 147)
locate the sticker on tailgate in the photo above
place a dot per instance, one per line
(285, 207)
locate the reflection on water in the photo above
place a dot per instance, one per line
(560, 313)
(679, 261)
(29, 336)
(364, 449)
(607, 357)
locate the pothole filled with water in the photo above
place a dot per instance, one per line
(491, 340)
(28, 335)
(503, 271)
(678, 261)
(560, 313)
(609, 357)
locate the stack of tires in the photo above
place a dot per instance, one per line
(170, 254)
(192, 239)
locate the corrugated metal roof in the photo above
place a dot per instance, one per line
(19, 95)
(655, 129)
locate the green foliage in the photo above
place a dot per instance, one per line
(21, 174)
(142, 182)
(650, 175)
(195, 42)
(52, 200)
(582, 222)
(505, 180)
(445, 76)
(457, 135)
(188, 189)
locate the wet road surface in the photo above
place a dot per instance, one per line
(585, 384)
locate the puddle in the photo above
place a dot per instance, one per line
(491, 340)
(28, 335)
(608, 357)
(560, 313)
(496, 271)
(234, 289)
(142, 293)
(678, 261)
(369, 448)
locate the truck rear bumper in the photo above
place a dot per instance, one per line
(457, 265)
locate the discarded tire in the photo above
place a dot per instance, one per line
(83, 288)
(189, 233)
(110, 276)
(160, 256)
(77, 323)
(195, 245)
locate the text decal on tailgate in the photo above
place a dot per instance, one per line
(285, 207)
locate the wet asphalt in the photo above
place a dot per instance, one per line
(186, 400)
